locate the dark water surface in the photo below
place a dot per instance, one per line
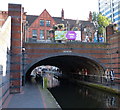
(70, 95)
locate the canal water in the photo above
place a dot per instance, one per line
(70, 95)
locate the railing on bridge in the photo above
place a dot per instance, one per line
(95, 78)
(57, 41)
(53, 73)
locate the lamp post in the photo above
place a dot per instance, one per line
(23, 65)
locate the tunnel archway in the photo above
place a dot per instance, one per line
(69, 63)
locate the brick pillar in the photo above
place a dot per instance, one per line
(15, 11)
(109, 30)
(113, 50)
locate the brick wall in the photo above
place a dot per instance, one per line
(93, 50)
(106, 53)
(114, 52)
(36, 25)
(113, 39)
(15, 11)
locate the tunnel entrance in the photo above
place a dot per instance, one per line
(70, 64)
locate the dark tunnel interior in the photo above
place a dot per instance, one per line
(70, 64)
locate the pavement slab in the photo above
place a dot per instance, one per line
(33, 96)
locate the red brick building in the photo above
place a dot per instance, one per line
(84, 55)
(38, 27)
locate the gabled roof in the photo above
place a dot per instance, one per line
(66, 21)
(58, 20)
(73, 22)
(31, 19)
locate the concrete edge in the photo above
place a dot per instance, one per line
(100, 87)
(46, 91)
(53, 98)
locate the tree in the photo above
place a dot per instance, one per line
(101, 22)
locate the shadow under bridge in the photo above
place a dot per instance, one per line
(70, 64)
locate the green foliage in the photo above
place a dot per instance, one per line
(102, 21)
(100, 30)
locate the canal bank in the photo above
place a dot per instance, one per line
(69, 95)
(49, 100)
(115, 89)
(32, 96)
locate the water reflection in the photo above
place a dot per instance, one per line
(70, 95)
(108, 100)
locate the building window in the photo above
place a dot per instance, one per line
(41, 34)
(47, 23)
(41, 22)
(34, 33)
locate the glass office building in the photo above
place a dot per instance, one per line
(111, 9)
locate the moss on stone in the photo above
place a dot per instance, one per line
(101, 87)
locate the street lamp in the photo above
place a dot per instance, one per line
(23, 65)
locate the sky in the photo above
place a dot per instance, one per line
(73, 9)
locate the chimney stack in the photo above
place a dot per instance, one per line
(62, 15)
(90, 16)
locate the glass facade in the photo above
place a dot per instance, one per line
(111, 9)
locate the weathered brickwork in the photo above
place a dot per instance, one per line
(114, 50)
(106, 53)
(102, 52)
(15, 11)
(34, 50)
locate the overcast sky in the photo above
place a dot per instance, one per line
(74, 9)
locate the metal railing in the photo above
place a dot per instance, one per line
(32, 40)
(96, 79)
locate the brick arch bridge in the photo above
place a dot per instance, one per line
(68, 59)
(83, 55)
